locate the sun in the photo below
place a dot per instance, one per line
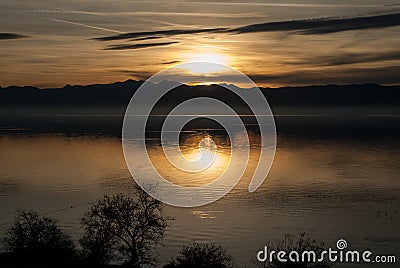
(207, 57)
(201, 63)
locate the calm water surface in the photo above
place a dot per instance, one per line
(330, 188)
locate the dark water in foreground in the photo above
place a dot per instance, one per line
(338, 178)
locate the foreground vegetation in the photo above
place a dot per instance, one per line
(118, 229)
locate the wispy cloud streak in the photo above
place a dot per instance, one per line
(383, 75)
(352, 58)
(162, 33)
(86, 25)
(138, 46)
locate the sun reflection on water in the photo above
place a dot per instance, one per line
(201, 148)
(205, 150)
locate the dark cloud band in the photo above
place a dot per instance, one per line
(137, 46)
(324, 25)
(310, 26)
(10, 36)
(157, 34)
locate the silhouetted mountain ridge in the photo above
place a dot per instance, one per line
(119, 94)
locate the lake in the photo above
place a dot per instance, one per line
(333, 177)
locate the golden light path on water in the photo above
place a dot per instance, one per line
(194, 148)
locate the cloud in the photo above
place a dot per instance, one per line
(85, 25)
(10, 36)
(163, 33)
(383, 75)
(140, 75)
(146, 38)
(298, 5)
(171, 62)
(308, 26)
(146, 13)
(305, 27)
(137, 46)
(323, 25)
(350, 58)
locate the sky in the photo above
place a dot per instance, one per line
(47, 43)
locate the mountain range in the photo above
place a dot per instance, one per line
(118, 95)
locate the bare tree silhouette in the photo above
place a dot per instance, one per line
(123, 228)
(38, 241)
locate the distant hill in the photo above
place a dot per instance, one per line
(351, 111)
(118, 95)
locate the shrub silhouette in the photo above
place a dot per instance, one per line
(301, 244)
(38, 241)
(202, 255)
(123, 228)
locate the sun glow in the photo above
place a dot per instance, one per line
(202, 61)
(207, 57)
